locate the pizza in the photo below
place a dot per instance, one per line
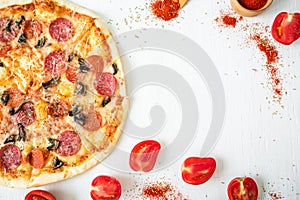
(62, 89)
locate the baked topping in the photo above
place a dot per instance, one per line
(8, 30)
(105, 84)
(10, 157)
(61, 29)
(70, 143)
(32, 29)
(53, 82)
(55, 63)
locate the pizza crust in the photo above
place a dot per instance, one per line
(97, 155)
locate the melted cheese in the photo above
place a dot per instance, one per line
(40, 108)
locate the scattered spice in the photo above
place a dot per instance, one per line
(162, 191)
(228, 19)
(275, 196)
(257, 32)
(271, 53)
(268, 49)
(253, 4)
(166, 9)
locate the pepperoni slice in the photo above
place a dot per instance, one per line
(72, 73)
(32, 29)
(105, 84)
(58, 109)
(26, 115)
(14, 97)
(36, 158)
(96, 63)
(61, 29)
(92, 121)
(70, 143)
(8, 30)
(55, 63)
(10, 157)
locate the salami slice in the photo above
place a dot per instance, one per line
(8, 30)
(61, 29)
(58, 109)
(70, 143)
(26, 115)
(72, 73)
(96, 63)
(105, 84)
(32, 29)
(55, 63)
(36, 158)
(92, 121)
(10, 157)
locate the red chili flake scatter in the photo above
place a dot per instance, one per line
(166, 9)
(253, 4)
(267, 48)
(271, 53)
(162, 191)
(228, 19)
(257, 32)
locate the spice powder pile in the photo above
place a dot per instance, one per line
(228, 19)
(165, 9)
(253, 4)
(162, 191)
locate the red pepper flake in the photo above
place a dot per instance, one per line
(166, 9)
(228, 19)
(253, 4)
(271, 54)
(162, 191)
(265, 46)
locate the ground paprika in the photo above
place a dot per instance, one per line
(253, 4)
(166, 9)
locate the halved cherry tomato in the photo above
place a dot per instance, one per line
(106, 188)
(39, 195)
(242, 188)
(143, 156)
(286, 27)
(196, 170)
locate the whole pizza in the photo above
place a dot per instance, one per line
(62, 88)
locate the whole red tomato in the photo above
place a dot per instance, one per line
(39, 195)
(286, 27)
(143, 156)
(242, 188)
(196, 170)
(106, 188)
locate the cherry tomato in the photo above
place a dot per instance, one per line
(143, 156)
(106, 188)
(286, 27)
(242, 188)
(196, 170)
(39, 195)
